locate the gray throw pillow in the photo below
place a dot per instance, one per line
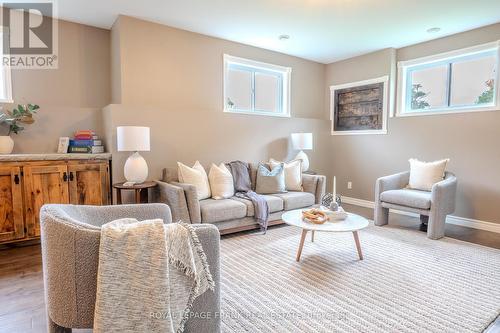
(270, 181)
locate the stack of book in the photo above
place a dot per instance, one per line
(86, 142)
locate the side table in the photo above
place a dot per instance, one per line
(141, 191)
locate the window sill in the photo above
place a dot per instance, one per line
(255, 113)
(447, 111)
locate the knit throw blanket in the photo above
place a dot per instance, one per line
(243, 187)
(148, 277)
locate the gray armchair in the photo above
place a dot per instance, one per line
(70, 238)
(433, 206)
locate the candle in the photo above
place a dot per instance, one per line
(334, 188)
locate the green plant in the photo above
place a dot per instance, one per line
(487, 95)
(23, 114)
(417, 98)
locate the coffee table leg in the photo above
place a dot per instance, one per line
(312, 236)
(301, 245)
(358, 244)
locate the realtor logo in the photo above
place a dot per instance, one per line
(29, 35)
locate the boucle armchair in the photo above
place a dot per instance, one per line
(433, 206)
(70, 237)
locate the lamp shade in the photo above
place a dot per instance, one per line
(302, 141)
(132, 138)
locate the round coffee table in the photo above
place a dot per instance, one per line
(352, 223)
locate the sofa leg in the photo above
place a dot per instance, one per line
(424, 222)
(54, 328)
(381, 215)
(435, 227)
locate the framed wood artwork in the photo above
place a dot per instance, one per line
(360, 107)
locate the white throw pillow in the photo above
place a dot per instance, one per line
(425, 174)
(221, 182)
(293, 174)
(196, 176)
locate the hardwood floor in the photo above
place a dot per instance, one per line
(22, 306)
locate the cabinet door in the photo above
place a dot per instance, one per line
(11, 204)
(88, 184)
(43, 185)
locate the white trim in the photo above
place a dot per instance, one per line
(457, 110)
(6, 75)
(451, 219)
(401, 84)
(450, 54)
(286, 73)
(257, 113)
(385, 106)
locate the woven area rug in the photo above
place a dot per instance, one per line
(406, 283)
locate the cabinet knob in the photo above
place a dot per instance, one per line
(16, 179)
(65, 176)
(71, 177)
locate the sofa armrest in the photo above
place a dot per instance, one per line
(315, 184)
(443, 195)
(174, 197)
(192, 201)
(392, 182)
(206, 308)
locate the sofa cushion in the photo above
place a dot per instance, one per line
(221, 210)
(270, 181)
(294, 200)
(275, 204)
(408, 198)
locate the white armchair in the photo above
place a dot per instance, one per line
(433, 206)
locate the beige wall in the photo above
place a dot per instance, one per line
(470, 140)
(172, 81)
(70, 97)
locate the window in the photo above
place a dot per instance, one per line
(5, 79)
(253, 87)
(459, 81)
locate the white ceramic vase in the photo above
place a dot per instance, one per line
(6, 144)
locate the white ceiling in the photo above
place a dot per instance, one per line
(320, 30)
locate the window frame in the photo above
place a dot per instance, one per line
(6, 70)
(255, 67)
(405, 68)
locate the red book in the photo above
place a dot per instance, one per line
(83, 137)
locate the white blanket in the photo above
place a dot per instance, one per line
(149, 275)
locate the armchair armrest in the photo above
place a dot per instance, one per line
(392, 182)
(174, 197)
(315, 184)
(206, 308)
(444, 193)
(192, 201)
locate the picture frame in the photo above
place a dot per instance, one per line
(360, 107)
(62, 147)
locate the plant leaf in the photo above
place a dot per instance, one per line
(27, 120)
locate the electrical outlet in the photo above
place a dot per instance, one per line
(349, 185)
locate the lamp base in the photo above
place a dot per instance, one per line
(305, 160)
(135, 169)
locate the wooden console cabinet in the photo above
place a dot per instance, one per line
(27, 184)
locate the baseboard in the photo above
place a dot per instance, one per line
(451, 219)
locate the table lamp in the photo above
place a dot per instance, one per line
(302, 141)
(134, 139)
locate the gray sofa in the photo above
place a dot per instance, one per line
(233, 214)
(433, 206)
(70, 238)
